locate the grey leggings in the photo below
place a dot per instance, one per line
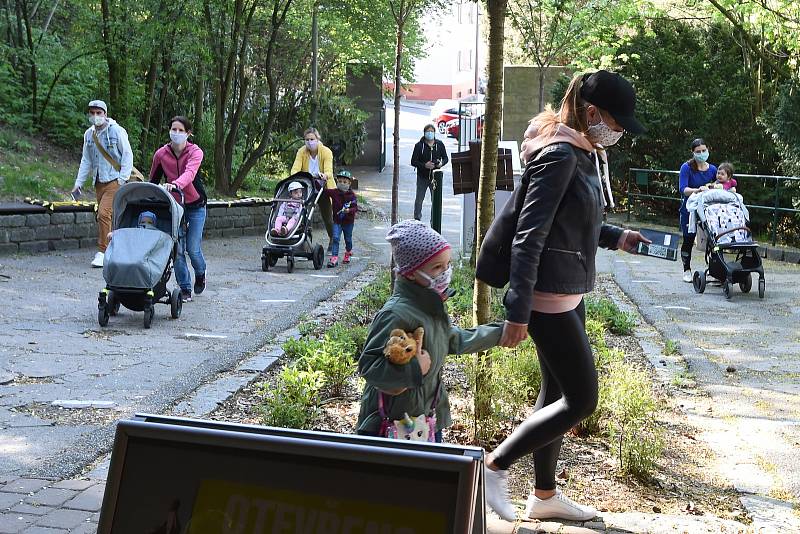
(568, 394)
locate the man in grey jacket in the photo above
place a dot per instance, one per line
(109, 165)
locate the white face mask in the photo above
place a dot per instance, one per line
(311, 144)
(441, 282)
(178, 138)
(97, 120)
(602, 134)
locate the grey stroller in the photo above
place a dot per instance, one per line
(138, 261)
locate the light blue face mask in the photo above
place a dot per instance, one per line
(701, 156)
(429, 135)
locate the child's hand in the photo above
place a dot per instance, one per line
(424, 360)
(513, 334)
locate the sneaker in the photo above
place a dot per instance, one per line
(334, 261)
(347, 255)
(496, 487)
(199, 283)
(186, 295)
(98, 259)
(274, 233)
(687, 276)
(559, 506)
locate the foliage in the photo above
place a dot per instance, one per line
(630, 409)
(26, 173)
(671, 347)
(459, 306)
(293, 401)
(608, 313)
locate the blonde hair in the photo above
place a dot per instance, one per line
(313, 131)
(572, 112)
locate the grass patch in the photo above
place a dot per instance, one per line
(671, 348)
(26, 172)
(684, 379)
(607, 312)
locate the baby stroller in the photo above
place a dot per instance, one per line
(138, 261)
(299, 241)
(731, 255)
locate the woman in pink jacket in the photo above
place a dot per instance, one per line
(178, 162)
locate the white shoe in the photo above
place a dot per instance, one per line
(98, 259)
(496, 486)
(559, 506)
(687, 276)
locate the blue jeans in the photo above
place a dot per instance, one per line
(189, 241)
(338, 229)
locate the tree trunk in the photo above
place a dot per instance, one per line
(495, 11)
(149, 95)
(398, 62)
(541, 88)
(111, 56)
(34, 85)
(199, 97)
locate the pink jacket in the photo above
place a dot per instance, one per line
(181, 171)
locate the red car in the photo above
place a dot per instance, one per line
(452, 128)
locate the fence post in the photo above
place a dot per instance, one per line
(775, 215)
(630, 172)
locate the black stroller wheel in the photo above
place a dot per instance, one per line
(699, 281)
(318, 257)
(726, 289)
(102, 315)
(746, 284)
(175, 303)
(761, 287)
(112, 304)
(148, 316)
(289, 264)
(264, 263)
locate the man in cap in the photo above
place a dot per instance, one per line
(108, 159)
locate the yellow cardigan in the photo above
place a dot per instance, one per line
(325, 163)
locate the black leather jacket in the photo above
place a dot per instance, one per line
(547, 235)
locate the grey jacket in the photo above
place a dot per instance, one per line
(114, 139)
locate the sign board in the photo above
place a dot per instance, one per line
(185, 475)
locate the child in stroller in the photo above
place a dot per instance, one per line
(731, 255)
(138, 263)
(298, 240)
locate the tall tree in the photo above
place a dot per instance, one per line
(496, 14)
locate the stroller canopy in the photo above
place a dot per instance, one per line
(146, 194)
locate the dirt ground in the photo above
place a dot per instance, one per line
(683, 483)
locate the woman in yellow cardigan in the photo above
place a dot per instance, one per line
(315, 158)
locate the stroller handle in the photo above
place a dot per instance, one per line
(180, 192)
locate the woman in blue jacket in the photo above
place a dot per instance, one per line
(694, 176)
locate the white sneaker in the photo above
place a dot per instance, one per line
(496, 486)
(687, 276)
(98, 259)
(559, 506)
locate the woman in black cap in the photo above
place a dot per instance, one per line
(543, 245)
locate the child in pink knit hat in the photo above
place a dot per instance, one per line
(413, 389)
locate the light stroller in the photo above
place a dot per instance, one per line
(731, 255)
(299, 241)
(138, 261)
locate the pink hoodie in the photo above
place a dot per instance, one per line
(181, 171)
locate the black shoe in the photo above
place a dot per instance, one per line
(186, 295)
(199, 283)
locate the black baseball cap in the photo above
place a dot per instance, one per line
(615, 94)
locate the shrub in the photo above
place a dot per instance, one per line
(671, 347)
(607, 312)
(299, 348)
(631, 424)
(293, 402)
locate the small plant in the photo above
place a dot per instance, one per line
(299, 348)
(334, 363)
(671, 347)
(607, 312)
(293, 402)
(684, 379)
(630, 423)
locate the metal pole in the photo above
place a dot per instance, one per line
(477, 34)
(314, 54)
(436, 208)
(775, 215)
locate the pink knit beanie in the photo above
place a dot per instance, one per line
(414, 243)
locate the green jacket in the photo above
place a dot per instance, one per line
(409, 307)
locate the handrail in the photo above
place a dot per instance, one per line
(776, 208)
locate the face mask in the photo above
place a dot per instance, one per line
(178, 138)
(441, 282)
(97, 120)
(311, 144)
(343, 187)
(701, 156)
(429, 136)
(602, 134)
